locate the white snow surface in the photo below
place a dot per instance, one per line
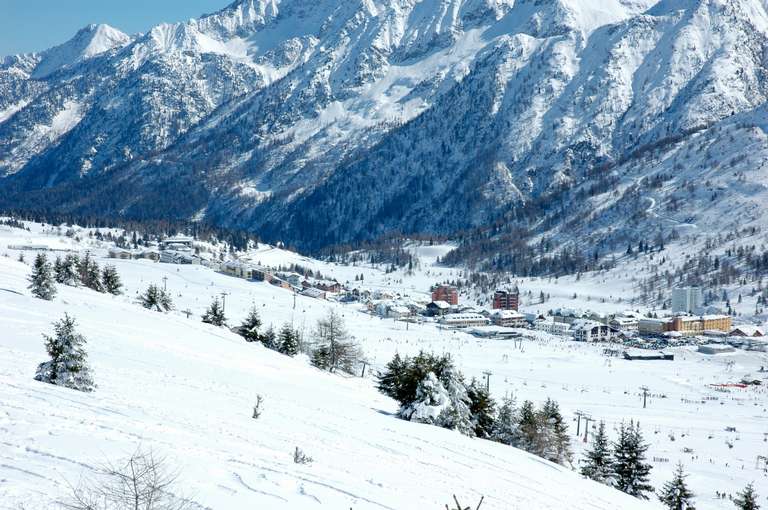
(185, 390)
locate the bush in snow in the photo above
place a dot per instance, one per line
(459, 507)
(142, 482)
(155, 298)
(299, 457)
(41, 280)
(68, 365)
(215, 314)
(257, 409)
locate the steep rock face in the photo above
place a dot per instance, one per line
(330, 121)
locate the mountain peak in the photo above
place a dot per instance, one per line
(88, 42)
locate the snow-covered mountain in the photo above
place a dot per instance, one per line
(604, 119)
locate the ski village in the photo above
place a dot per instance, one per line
(260, 375)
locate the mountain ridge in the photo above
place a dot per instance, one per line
(419, 117)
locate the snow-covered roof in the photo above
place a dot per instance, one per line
(441, 304)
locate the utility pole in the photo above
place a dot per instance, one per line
(165, 283)
(488, 375)
(586, 427)
(578, 414)
(645, 394)
(224, 301)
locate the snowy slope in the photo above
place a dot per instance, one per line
(688, 424)
(185, 390)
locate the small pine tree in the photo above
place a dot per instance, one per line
(155, 298)
(747, 499)
(215, 314)
(68, 365)
(631, 470)
(505, 427)
(391, 380)
(598, 466)
(41, 280)
(675, 494)
(288, 341)
(269, 339)
(110, 281)
(249, 329)
(482, 408)
(66, 272)
(457, 415)
(89, 272)
(556, 442)
(529, 432)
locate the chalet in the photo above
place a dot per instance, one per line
(119, 253)
(745, 330)
(149, 254)
(328, 286)
(446, 293)
(438, 308)
(463, 320)
(178, 257)
(177, 243)
(398, 312)
(593, 331)
(508, 318)
(313, 293)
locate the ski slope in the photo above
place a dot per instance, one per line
(186, 391)
(185, 382)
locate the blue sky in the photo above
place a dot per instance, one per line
(33, 25)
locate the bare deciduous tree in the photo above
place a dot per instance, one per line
(143, 482)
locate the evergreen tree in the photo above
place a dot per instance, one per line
(430, 401)
(505, 427)
(528, 432)
(269, 339)
(288, 340)
(215, 314)
(391, 381)
(675, 494)
(66, 271)
(482, 408)
(41, 280)
(555, 439)
(747, 499)
(249, 329)
(456, 415)
(155, 298)
(89, 272)
(598, 465)
(68, 364)
(631, 470)
(110, 280)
